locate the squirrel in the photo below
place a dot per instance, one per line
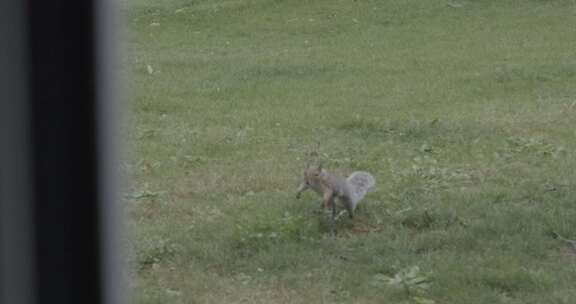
(349, 190)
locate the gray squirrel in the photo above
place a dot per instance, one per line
(349, 190)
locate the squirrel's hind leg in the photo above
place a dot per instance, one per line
(333, 209)
(350, 209)
(350, 213)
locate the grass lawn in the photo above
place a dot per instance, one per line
(464, 111)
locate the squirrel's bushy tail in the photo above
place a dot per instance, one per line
(359, 183)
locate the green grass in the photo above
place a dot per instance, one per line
(464, 111)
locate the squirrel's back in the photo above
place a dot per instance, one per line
(359, 183)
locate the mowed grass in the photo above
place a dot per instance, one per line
(464, 111)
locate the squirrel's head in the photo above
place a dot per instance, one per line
(312, 173)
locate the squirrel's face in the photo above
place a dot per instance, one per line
(311, 175)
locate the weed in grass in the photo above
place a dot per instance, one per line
(411, 281)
